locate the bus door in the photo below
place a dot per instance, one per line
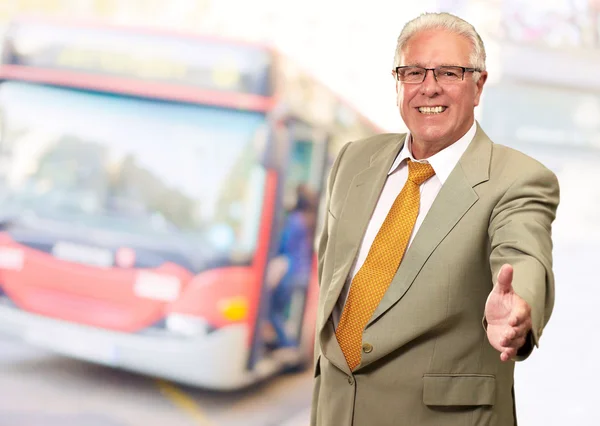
(291, 266)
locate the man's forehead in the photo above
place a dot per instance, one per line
(436, 47)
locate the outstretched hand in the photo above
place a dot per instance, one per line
(508, 316)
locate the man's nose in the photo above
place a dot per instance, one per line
(430, 85)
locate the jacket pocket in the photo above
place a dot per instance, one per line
(459, 389)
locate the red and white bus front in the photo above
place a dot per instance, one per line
(129, 230)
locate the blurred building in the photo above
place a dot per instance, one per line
(350, 47)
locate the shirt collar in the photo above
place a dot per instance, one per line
(444, 161)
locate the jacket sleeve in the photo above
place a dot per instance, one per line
(520, 233)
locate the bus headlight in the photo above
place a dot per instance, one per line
(234, 309)
(187, 325)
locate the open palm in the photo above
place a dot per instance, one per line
(508, 316)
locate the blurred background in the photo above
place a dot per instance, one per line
(161, 174)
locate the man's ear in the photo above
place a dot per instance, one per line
(479, 86)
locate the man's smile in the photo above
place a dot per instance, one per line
(432, 109)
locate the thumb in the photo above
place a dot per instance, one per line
(505, 277)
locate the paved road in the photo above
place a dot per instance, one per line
(39, 388)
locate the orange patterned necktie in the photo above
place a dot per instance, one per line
(375, 275)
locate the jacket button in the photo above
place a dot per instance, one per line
(367, 348)
(350, 380)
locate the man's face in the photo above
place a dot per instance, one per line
(430, 49)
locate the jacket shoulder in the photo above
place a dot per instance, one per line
(374, 143)
(366, 147)
(507, 160)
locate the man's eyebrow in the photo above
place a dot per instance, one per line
(417, 64)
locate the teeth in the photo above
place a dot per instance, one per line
(432, 110)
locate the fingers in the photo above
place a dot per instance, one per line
(518, 329)
(520, 317)
(514, 342)
(508, 354)
(515, 334)
(510, 351)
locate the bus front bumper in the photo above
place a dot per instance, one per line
(217, 360)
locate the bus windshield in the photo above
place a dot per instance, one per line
(141, 170)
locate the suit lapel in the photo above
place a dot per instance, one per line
(360, 202)
(455, 198)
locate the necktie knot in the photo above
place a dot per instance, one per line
(419, 172)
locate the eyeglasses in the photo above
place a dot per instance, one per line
(444, 74)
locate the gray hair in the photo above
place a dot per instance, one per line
(443, 21)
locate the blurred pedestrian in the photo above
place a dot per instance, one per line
(294, 261)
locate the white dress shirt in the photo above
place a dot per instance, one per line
(443, 163)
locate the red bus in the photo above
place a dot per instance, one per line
(145, 181)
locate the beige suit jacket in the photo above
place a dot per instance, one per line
(426, 359)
